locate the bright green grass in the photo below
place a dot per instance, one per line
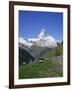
(48, 68)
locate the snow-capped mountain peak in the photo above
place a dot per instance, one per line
(42, 33)
(42, 40)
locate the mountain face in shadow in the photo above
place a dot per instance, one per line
(38, 51)
(24, 56)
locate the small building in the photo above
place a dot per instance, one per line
(40, 60)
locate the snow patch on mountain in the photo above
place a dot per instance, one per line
(33, 39)
(25, 42)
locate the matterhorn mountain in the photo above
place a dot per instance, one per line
(35, 48)
(42, 40)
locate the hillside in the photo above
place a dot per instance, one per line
(54, 52)
(35, 52)
(52, 65)
(49, 68)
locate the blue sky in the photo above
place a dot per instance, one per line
(32, 22)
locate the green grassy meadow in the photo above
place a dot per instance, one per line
(52, 66)
(48, 68)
